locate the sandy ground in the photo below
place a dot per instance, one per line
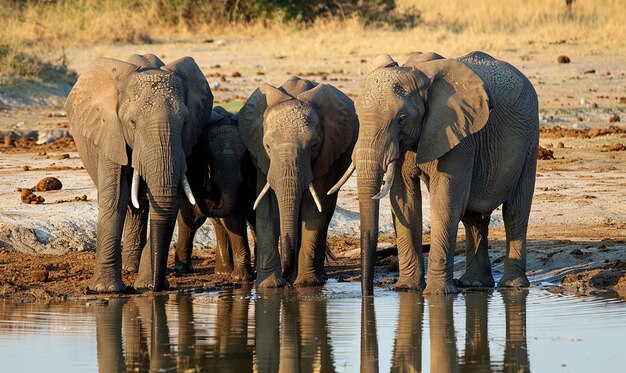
(577, 230)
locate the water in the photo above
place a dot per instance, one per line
(328, 329)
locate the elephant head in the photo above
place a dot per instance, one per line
(226, 154)
(294, 134)
(427, 106)
(147, 115)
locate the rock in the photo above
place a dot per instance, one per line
(617, 148)
(613, 118)
(592, 71)
(40, 276)
(28, 197)
(576, 252)
(563, 59)
(235, 74)
(594, 106)
(48, 183)
(622, 100)
(215, 84)
(544, 154)
(560, 145)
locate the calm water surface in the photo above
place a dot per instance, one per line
(330, 330)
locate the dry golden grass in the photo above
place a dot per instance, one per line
(450, 27)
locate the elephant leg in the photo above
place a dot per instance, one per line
(407, 347)
(313, 242)
(223, 253)
(236, 228)
(188, 224)
(515, 214)
(406, 208)
(134, 236)
(113, 195)
(478, 265)
(269, 273)
(134, 341)
(449, 192)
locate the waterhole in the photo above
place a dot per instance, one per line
(329, 329)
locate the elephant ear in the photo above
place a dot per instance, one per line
(339, 123)
(295, 85)
(383, 60)
(458, 106)
(146, 61)
(93, 103)
(218, 114)
(198, 99)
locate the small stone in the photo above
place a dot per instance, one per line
(560, 145)
(48, 183)
(544, 154)
(580, 119)
(40, 276)
(594, 106)
(59, 156)
(613, 118)
(563, 59)
(259, 73)
(235, 74)
(26, 168)
(592, 71)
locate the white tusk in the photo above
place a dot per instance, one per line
(343, 179)
(134, 189)
(187, 190)
(387, 181)
(260, 197)
(315, 197)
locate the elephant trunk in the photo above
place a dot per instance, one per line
(373, 175)
(228, 177)
(163, 167)
(289, 195)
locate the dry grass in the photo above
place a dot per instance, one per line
(451, 27)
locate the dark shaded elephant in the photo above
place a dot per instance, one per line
(222, 168)
(134, 124)
(468, 128)
(300, 136)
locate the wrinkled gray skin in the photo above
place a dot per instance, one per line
(144, 116)
(300, 136)
(221, 166)
(468, 127)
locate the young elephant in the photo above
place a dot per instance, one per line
(468, 127)
(300, 136)
(138, 121)
(221, 166)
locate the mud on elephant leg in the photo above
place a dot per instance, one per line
(134, 236)
(236, 229)
(223, 251)
(478, 265)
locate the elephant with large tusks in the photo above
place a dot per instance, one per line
(134, 124)
(468, 127)
(300, 136)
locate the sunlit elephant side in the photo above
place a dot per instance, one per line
(221, 167)
(300, 136)
(468, 128)
(135, 125)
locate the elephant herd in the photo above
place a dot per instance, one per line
(160, 153)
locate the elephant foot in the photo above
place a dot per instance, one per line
(130, 263)
(407, 284)
(183, 268)
(514, 281)
(222, 269)
(272, 281)
(306, 280)
(434, 286)
(241, 274)
(102, 285)
(476, 280)
(141, 283)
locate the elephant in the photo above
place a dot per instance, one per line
(468, 128)
(134, 124)
(300, 136)
(220, 162)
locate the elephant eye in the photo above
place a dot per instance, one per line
(267, 147)
(133, 123)
(314, 147)
(402, 120)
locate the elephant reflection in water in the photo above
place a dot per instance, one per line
(292, 333)
(407, 350)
